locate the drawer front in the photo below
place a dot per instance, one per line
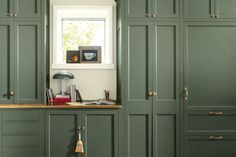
(20, 152)
(20, 128)
(205, 121)
(20, 115)
(29, 140)
(206, 146)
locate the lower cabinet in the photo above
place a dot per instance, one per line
(210, 146)
(22, 133)
(99, 134)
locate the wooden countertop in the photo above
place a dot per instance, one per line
(42, 106)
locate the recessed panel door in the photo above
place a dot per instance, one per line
(209, 65)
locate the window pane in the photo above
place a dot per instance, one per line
(82, 32)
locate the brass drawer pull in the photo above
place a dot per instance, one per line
(216, 138)
(215, 113)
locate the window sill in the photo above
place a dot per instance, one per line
(83, 66)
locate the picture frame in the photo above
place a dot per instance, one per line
(90, 54)
(72, 56)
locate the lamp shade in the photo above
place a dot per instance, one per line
(63, 75)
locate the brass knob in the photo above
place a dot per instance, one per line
(217, 16)
(15, 15)
(155, 93)
(12, 93)
(212, 16)
(154, 15)
(150, 93)
(148, 15)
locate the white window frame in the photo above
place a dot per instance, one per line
(58, 12)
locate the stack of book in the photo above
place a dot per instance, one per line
(58, 99)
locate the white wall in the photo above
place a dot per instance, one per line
(91, 83)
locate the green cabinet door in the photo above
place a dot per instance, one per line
(209, 64)
(225, 9)
(205, 146)
(22, 133)
(27, 62)
(61, 133)
(165, 8)
(27, 8)
(6, 8)
(166, 120)
(101, 133)
(137, 8)
(6, 78)
(198, 8)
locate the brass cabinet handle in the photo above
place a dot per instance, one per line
(216, 138)
(186, 93)
(216, 113)
(12, 93)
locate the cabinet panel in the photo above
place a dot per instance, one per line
(28, 82)
(166, 68)
(5, 49)
(138, 135)
(198, 8)
(101, 134)
(137, 8)
(6, 7)
(166, 8)
(226, 9)
(210, 121)
(202, 146)
(137, 58)
(27, 8)
(210, 65)
(20, 152)
(61, 128)
(164, 136)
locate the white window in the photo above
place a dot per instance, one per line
(82, 25)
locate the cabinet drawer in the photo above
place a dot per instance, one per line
(205, 146)
(32, 140)
(20, 128)
(20, 152)
(20, 115)
(200, 121)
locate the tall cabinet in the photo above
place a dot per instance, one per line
(149, 44)
(22, 51)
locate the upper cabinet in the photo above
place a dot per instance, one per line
(151, 9)
(209, 9)
(20, 8)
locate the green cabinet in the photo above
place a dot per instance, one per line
(146, 9)
(100, 134)
(209, 64)
(22, 133)
(209, 9)
(151, 89)
(20, 8)
(21, 62)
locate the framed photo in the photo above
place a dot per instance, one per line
(72, 56)
(90, 54)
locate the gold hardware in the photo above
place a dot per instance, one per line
(15, 15)
(148, 15)
(217, 16)
(155, 93)
(215, 137)
(150, 93)
(79, 145)
(12, 93)
(215, 113)
(154, 15)
(212, 16)
(186, 94)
